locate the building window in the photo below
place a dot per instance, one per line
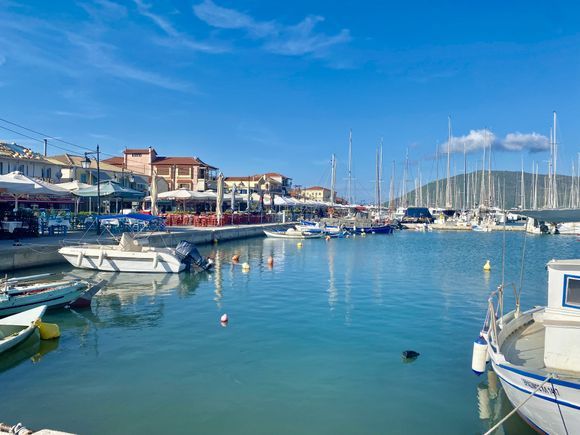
(184, 185)
(84, 178)
(572, 296)
(184, 171)
(201, 173)
(163, 171)
(136, 155)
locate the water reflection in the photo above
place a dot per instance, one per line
(493, 405)
(332, 291)
(33, 349)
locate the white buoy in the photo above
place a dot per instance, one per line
(224, 318)
(479, 357)
(246, 267)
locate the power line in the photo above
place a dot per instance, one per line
(44, 135)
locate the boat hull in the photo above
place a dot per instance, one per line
(294, 236)
(159, 261)
(53, 297)
(554, 409)
(19, 326)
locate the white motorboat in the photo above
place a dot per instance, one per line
(22, 293)
(293, 233)
(536, 353)
(130, 256)
(17, 328)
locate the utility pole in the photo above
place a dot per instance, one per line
(333, 178)
(349, 188)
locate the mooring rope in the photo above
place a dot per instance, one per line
(499, 423)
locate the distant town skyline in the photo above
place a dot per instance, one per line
(257, 87)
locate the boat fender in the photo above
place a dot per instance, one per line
(80, 258)
(101, 257)
(479, 357)
(48, 331)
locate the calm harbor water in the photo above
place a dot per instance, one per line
(313, 344)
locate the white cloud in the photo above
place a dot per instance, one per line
(296, 40)
(478, 139)
(100, 56)
(176, 37)
(533, 142)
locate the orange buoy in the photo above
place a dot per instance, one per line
(236, 258)
(270, 260)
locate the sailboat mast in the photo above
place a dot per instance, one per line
(448, 187)
(380, 176)
(332, 178)
(464, 176)
(349, 187)
(554, 178)
(392, 189)
(437, 182)
(491, 190)
(522, 188)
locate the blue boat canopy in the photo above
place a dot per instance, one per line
(136, 216)
(418, 212)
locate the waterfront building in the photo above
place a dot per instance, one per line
(272, 182)
(316, 193)
(15, 157)
(177, 172)
(72, 170)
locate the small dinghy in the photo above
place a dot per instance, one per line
(22, 293)
(17, 328)
(292, 233)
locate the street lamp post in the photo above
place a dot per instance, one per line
(86, 164)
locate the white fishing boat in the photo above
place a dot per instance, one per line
(17, 328)
(130, 256)
(536, 353)
(293, 233)
(23, 293)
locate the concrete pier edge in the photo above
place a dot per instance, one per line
(35, 253)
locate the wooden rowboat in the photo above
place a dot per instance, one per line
(17, 328)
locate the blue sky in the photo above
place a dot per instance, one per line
(275, 86)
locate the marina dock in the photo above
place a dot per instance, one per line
(44, 251)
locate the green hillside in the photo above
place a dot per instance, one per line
(506, 190)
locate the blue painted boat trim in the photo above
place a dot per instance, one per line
(541, 378)
(549, 399)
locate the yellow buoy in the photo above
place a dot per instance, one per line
(48, 331)
(299, 245)
(327, 238)
(487, 266)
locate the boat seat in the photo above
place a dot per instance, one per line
(128, 244)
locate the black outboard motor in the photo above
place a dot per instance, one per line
(189, 255)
